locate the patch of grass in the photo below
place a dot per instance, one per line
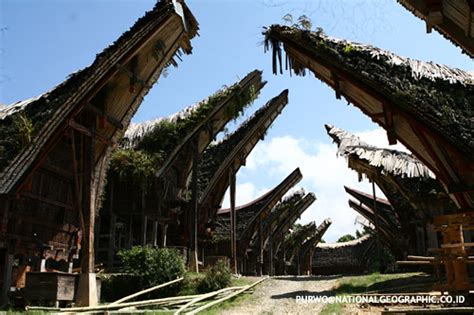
(332, 309)
(239, 282)
(365, 283)
(244, 297)
(362, 284)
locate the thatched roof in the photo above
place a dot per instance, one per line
(359, 240)
(405, 180)
(297, 237)
(439, 96)
(427, 106)
(297, 207)
(389, 161)
(248, 215)
(45, 114)
(449, 18)
(218, 157)
(310, 244)
(168, 141)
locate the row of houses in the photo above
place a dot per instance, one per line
(79, 182)
(426, 106)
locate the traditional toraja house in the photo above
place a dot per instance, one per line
(55, 148)
(297, 204)
(221, 162)
(158, 157)
(424, 105)
(414, 195)
(398, 237)
(306, 252)
(275, 219)
(350, 257)
(249, 224)
(451, 18)
(293, 243)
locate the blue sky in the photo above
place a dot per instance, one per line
(41, 42)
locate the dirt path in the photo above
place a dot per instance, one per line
(278, 296)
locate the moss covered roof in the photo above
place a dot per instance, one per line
(44, 113)
(217, 153)
(157, 139)
(440, 97)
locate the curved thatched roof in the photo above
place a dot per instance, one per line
(451, 17)
(297, 208)
(359, 240)
(427, 106)
(405, 180)
(251, 212)
(49, 112)
(167, 141)
(389, 161)
(220, 156)
(309, 244)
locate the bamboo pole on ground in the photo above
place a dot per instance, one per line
(205, 297)
(206, 306)
(111, 307)
(129, 297)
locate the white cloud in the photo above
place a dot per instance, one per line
(244, 193)
(323, 173)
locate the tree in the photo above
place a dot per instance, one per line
(346, 238)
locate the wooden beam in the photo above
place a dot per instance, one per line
(111, 120)
(388, 117)
(88, 132)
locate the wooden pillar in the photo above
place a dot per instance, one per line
(193, 257)
(233, 236)
(164, 231)
(377, 227)
(6, 276)
(155, 233)
(270, 249)
(112, 222)
(87, 290)
(260, 248)
(130, 232)
(456, 270)
(144, 229)
(111, 248)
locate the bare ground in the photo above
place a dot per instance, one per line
(278, 296)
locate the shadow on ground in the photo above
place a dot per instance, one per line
(416, 283)
(294, 294)
(306, 278)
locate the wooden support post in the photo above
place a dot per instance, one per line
(6, 276)
(260, 248)
(111, 249)
(377, 227)
(193, 257)
(155, 233)
(164, 231)
(270, 249)
(144, 229)
(233, 236)
(130, 232)
(112, 223)
(87, 290)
